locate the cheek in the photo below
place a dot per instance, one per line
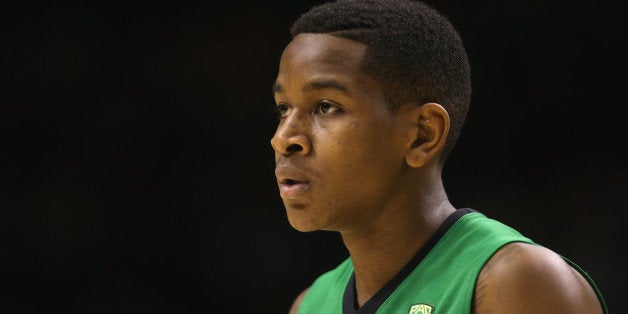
(358, 144)
(366, 144)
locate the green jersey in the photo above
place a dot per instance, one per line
(440, 278)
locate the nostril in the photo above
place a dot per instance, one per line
(294, 148)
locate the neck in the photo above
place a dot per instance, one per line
(379, 252)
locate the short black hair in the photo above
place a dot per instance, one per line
(412, 50)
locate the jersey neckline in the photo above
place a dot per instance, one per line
(373, 304)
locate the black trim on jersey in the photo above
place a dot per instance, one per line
(373, 304)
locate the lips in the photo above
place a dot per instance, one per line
(293, 183)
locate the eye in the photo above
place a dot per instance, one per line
(282, 109)
(326, 107)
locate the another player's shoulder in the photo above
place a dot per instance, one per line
(522, 277)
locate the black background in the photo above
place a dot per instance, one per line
(137, 175)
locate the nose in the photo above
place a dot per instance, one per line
(291, 137)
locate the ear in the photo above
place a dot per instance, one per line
(432, 127)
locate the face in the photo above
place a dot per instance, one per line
(339, 153)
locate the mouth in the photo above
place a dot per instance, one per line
(293, 181)
(290, 189)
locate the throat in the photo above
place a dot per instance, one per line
(378, 259)
(383, 258)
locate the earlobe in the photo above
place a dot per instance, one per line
(432, 127)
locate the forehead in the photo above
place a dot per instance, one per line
(324, 48)
(321, 56)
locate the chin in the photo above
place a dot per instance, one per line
(301, 226)
(302, 222)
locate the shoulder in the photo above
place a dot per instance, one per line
(326, 290)
(297, 302)
(522, 277)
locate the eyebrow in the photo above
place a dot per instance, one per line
(316, 85)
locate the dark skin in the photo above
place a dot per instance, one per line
(335, 131)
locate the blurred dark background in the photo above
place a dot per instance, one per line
(137, 175)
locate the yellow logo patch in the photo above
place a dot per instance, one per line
(421, 308)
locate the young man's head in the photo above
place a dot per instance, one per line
(370, 96)
(412, 50)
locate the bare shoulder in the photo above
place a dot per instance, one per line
(523, 277)
(297, 302)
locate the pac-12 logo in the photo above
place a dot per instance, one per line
(421, 308)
